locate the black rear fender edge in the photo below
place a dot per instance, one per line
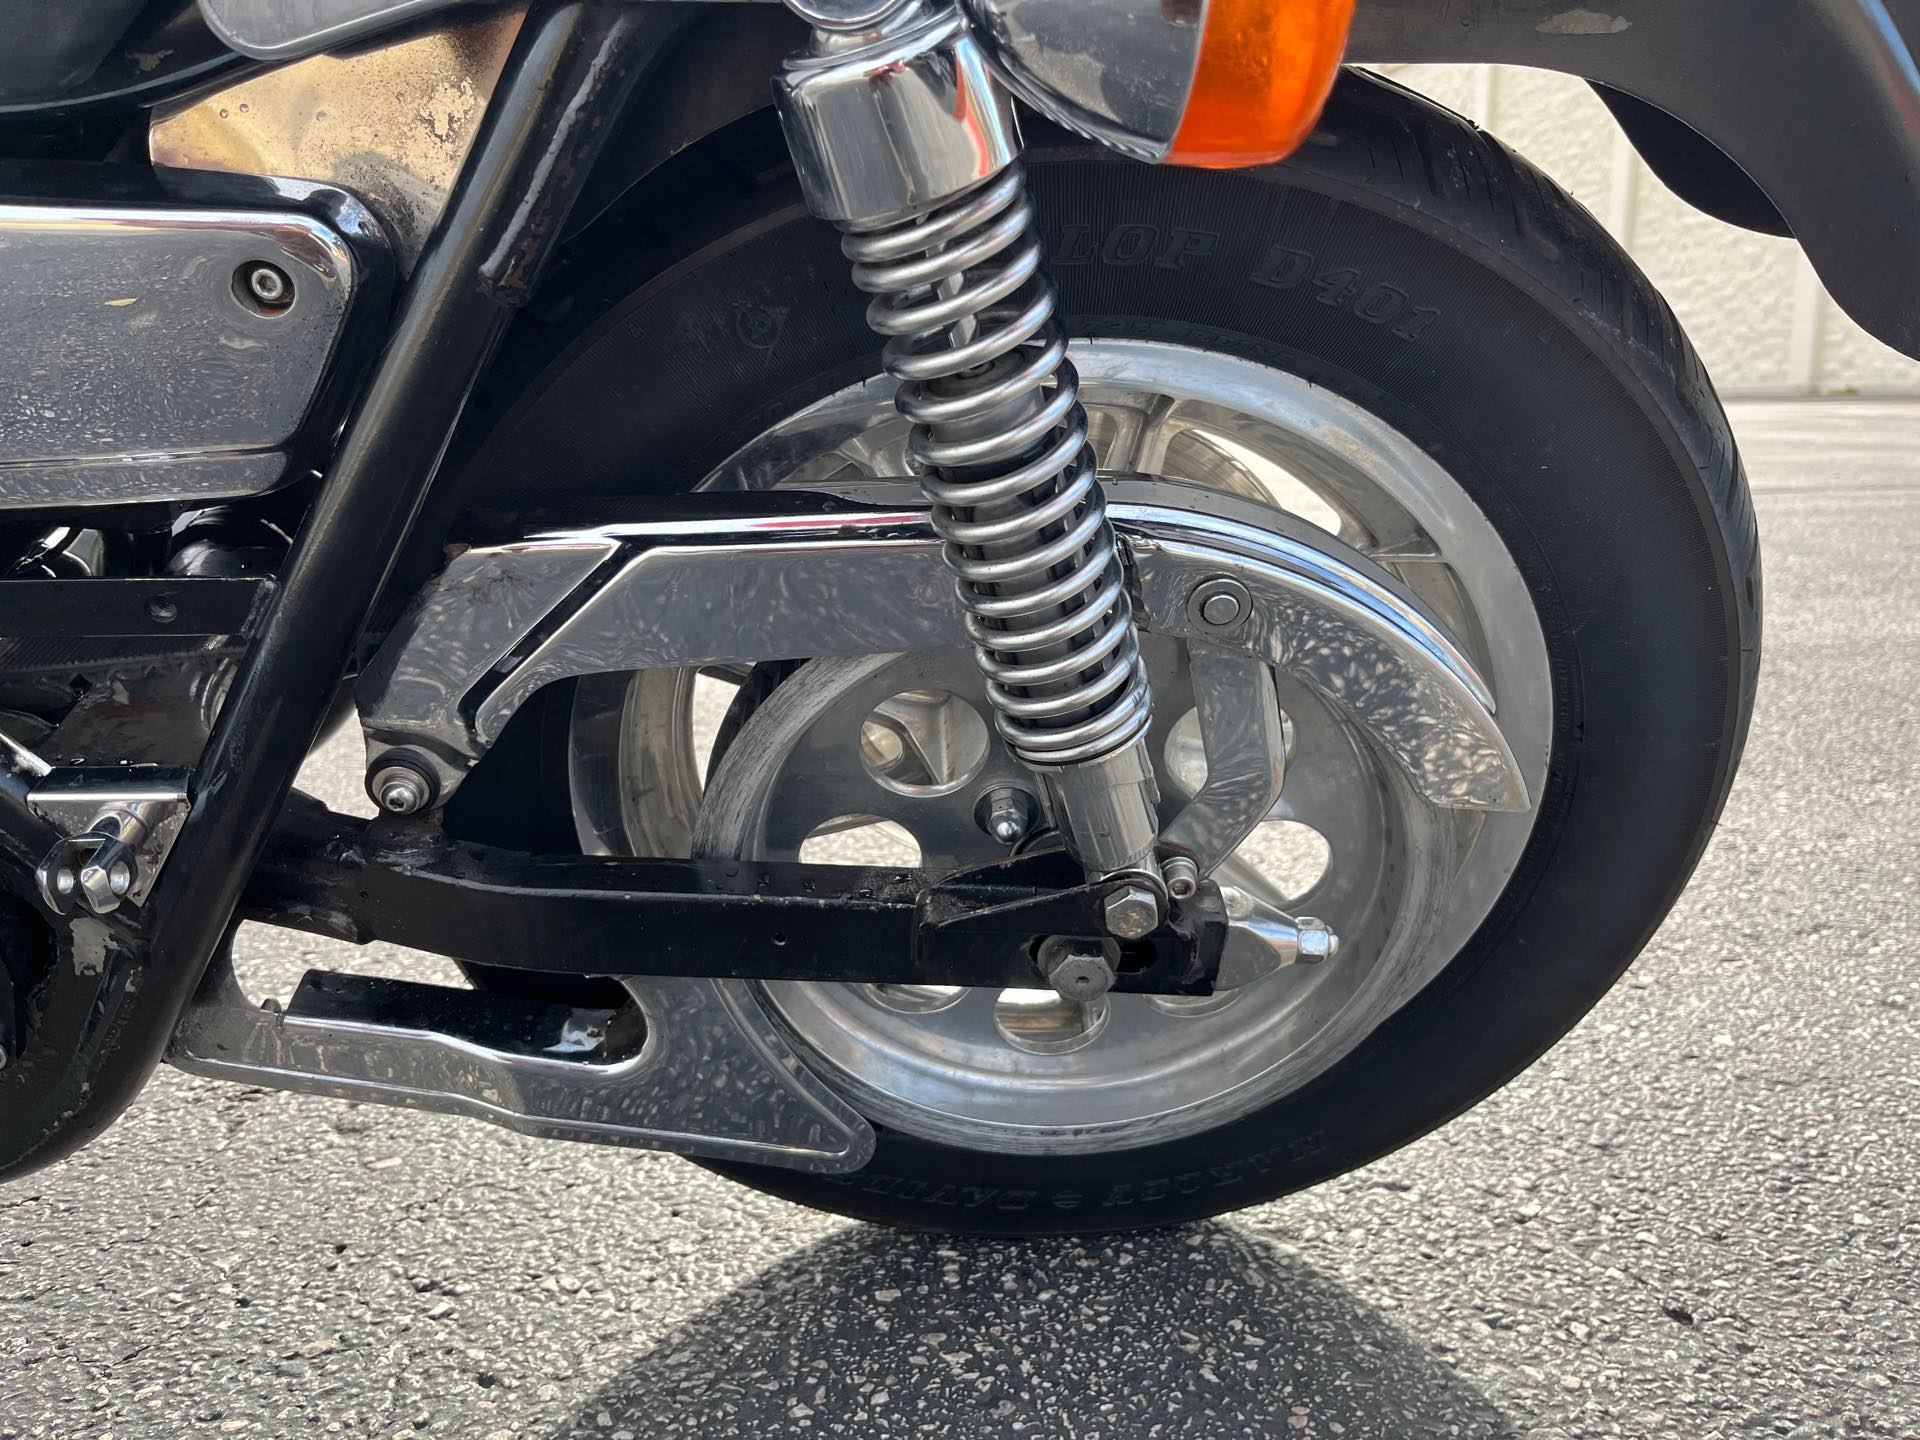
(1809, 110)
(1817, 101)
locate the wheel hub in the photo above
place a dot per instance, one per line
(890, 759)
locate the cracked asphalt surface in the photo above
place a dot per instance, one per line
(1696, 1217)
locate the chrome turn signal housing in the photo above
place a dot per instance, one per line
(1216, 83)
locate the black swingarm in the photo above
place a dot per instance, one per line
(1010, 924)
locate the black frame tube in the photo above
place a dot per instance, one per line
(109, 1014)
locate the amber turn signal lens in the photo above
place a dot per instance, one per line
(1264, 72)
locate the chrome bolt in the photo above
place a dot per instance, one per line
(268, 284)
(1132, 912)
(1007, 813)
(103, 886)
(1182, 877)
(1074, 973)
(400, 789)
(1317, 942)
(1219, 602)
(1220, 610)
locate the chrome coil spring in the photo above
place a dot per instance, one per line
(1000, 438)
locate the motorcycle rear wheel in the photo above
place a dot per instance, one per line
(1420, 274)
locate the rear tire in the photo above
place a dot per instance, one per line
(1422, 271)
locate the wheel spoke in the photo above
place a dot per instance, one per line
(966, 1023)
(1143, 450)
(1405, 550)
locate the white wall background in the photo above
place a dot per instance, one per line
(1750, 303)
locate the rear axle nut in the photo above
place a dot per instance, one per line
(1075, 972)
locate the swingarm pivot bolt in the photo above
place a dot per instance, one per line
(1132, 912)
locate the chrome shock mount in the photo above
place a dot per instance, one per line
(906, 140)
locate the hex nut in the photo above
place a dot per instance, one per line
(1007, 813)
(1080, 975)
(1317, 942)
(104, 886)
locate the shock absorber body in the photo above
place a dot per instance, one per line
(905, 139)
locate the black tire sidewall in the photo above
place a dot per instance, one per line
(1493, 343)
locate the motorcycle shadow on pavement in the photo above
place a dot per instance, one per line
(1207, 1330)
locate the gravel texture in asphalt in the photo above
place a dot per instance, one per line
(1698, 1216)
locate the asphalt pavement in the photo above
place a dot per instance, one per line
(1698, 1216)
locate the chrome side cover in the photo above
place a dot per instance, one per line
(502, 622)
(140, 364)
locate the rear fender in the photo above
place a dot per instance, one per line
(1817, 101)
(1814, 105)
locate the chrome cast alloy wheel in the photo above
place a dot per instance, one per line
(887, 759)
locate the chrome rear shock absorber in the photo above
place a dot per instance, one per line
(904, 139)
